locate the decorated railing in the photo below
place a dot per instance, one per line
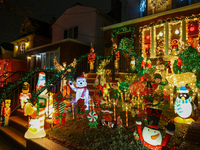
(13, 91)
(11, 77)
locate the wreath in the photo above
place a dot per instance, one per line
(156, 4)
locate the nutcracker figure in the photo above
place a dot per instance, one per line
(7, 111)
(91, 58)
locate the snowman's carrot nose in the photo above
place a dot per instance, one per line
(153, 137)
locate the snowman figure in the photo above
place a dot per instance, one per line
(183, 106)
(151, 136)
(81, 90)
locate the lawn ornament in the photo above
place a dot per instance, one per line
(183, 106)
(107, 118)
(7, 111)
(80, 108)
(151, 136)
(41, 81)
(25, 95)
(91, 58)
(81, 90)
(37, 116)
(92, 117)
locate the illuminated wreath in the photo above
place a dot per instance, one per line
(156, 4)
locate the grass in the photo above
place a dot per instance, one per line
(76, 134)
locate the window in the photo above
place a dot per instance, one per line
(22, 48)
(71, 33)
(75, 32)
(159, 41)
(146, 43)
(192, 32)
(65, 34)
(49, 59)
(181, 3)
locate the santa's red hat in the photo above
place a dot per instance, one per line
(82, 76)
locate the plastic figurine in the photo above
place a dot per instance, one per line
(151, 136)
(91, 58)
(7, 111)
(25, 95)
(81, 90)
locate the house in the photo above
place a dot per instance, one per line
(72, 34)
(83, 24)
(34, 33)
(163, 34)
(162, 29)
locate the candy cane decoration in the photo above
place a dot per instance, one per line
(127, 116)
(119, 122)
(114, 111)
(92, 117)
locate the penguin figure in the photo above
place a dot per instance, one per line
(183, 106)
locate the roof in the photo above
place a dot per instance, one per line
(56, 43)
(150, 17)
(40, 27)
(7, 46)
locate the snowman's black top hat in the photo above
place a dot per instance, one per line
(153, 118)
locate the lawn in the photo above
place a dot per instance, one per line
(77, 134)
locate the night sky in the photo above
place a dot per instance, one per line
(13, 13)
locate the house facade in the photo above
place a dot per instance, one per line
(72, 35)
(82, 24)
(34, 33)
(159, 33)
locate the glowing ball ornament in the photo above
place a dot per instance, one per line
(183, 105)
(81, 90)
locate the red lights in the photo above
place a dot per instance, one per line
(147, 37)
(192, 28)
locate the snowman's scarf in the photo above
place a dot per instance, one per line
(178, 103)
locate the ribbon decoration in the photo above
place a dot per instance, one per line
(61, 117)
(91, 124)
(58, 98)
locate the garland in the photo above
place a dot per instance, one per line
(157, 5)
(125, 29)
(170, 20)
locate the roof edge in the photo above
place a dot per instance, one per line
(149, 17)
(58, 42)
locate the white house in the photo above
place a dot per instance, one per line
(83, 24)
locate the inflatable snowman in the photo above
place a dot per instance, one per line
(183, 106)
(151, 136)
(81, 90)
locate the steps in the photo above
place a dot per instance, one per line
(91, 78)
(14, 133)
(192, 137)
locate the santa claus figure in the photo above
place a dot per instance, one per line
(151, 136)
(41, 81)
